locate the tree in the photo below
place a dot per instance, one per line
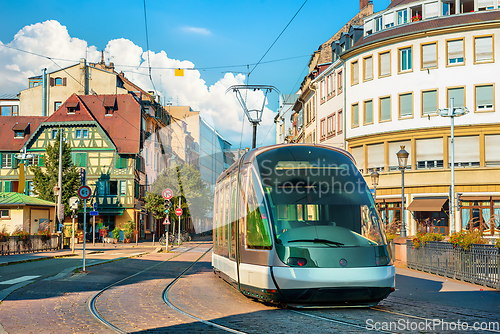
(45, 178)
(186, 183)
(155, 204)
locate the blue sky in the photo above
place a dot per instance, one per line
(207, 34)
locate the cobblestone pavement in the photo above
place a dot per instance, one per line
(135, 305)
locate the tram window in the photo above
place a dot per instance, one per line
(258, 234)
(300, 212)
(216, 220)
(232, 250)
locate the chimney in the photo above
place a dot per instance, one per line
(365, 3)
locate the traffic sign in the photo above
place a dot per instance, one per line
(166, 221)
(95, 206)
(94, 213)
(167, 193)
(178, 212)
(84, 192)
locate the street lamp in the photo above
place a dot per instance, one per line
(374, 175)
(402, 161)
(56, 194)
(452, 112)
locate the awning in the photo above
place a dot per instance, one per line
(475, 198)
(427, 204)
(389, 200)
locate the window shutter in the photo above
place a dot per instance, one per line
(406, 105)
(359, 157)
(1, 186)
(27, 187)
(484, 48)
(118, 161)
(491, 143)
(40, 160)
(355, 72)
(429, 102)
(64, 81)
(469, 149)
(368, 112)
(385, 109)
(484, 95)
(8, 186)
(455, 49)
(458, 97)
(376, 156)
(388, 19)
(394, 148)
(385, 64)
(429, 58)
(485, 3)
(1, 161)
(431, 9)
(368, 68)
(123, 188)
(429, 149)
(13, 160)
(52, 81)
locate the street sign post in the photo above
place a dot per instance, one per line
(178, 212)
(94, 213)
(167, 193)
(84, 192)
(95, 206)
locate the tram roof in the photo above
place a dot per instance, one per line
(250, 156)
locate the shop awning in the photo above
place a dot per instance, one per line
(427, 204)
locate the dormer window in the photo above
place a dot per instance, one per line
(20, 129)
(71, 106)
(109, 111)
(109, 104)
(18, 134)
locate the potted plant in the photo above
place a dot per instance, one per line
(4, 236)
(128, 230)
(116, 234)
(45, 235)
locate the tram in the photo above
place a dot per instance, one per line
(297, 225)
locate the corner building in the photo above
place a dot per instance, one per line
(413, 58)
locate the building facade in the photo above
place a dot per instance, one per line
(417, 57)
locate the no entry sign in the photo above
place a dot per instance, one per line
(178, 212)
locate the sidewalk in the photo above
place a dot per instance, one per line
(89, 247)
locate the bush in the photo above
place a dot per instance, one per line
(497, 243)
(466, 238)
(45, 235)
(4, 236)
(116, 233)
(23, 236)
(129, 229)
(423, 238)
(392, 236)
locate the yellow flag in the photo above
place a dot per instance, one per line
(20, 187)
(179, 72)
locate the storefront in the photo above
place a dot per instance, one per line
(480, 211)
(431, 214)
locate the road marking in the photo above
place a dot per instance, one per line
(19, 279)
(116, 254)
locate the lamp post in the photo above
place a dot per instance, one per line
(452, 112)
(375, 176)
(56, 216)
(402, 161)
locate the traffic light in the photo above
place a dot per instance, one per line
(167, 205)
(459, 201)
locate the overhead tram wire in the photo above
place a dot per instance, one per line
(147, 45)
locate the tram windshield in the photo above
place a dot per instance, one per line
(317, 196)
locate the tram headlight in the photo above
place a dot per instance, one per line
(382, 260)
(296, 261)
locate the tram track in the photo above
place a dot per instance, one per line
(91, 304)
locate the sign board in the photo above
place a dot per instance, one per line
(84, 192)
(74, 202)
(178, 212)
(166, 221)
(94, 213)
(167, 193)
(95, 206)
(62, 210)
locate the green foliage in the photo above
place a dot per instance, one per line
(22, 235)
(423, 238)
(45, 235)
(466, 238)
(116, 233)
(391, 236)
(4, 236)
(155, 204)
(45, 178)
(129, 229)
(497, 243)
(186, 183)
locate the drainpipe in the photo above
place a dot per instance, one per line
(44, 92)
(345, 101)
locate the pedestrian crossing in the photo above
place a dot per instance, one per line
(18, 280)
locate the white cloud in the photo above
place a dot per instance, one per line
(196, 30)
(52, 39)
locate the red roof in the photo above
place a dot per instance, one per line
(7, 125)
(395, 3)
(123, 126)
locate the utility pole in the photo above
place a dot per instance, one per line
(254, 120)
(59, 181)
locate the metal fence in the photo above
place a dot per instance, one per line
(35, 243)
(479, 265)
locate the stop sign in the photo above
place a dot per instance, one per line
(178, 212)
